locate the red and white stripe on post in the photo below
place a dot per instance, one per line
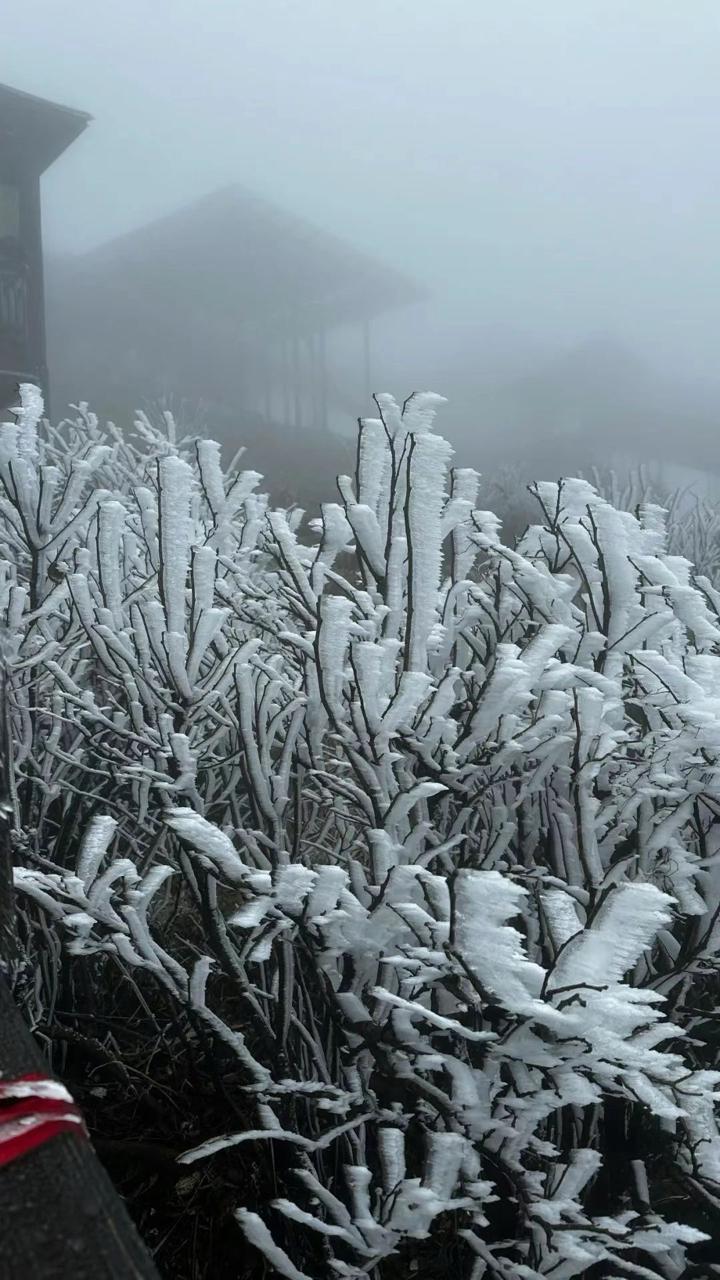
(33, 1109)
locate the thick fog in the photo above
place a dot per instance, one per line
(549, 173)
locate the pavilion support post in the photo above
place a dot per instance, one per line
(296, 382)
(268, 383)
(322, 379)
(367, 369)
(311, 379)
(285, 381)
(310, 388)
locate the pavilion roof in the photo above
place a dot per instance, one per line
(35, 131)
(236, 257)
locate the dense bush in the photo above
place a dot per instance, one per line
(692, 519)
(376, 871)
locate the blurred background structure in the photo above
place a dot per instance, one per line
(231, 302)
(33, 134)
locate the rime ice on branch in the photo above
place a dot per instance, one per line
(445, 810)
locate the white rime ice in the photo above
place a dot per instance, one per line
(443, 813)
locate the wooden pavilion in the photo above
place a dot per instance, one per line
(230, 300)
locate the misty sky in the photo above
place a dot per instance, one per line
(551, 168)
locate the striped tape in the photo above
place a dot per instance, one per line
(33, 1109)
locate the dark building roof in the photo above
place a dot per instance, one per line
(245, 262)
(35, 131)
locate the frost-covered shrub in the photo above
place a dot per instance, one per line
(692, 520)
(443, 814)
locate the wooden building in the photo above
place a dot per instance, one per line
(230, 301)
(33, 134)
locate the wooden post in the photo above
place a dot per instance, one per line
(61, 1216)
(297, 389)
(285, 369)
(322, 378)
(267, 381)
(366, 359)
(311, 381)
